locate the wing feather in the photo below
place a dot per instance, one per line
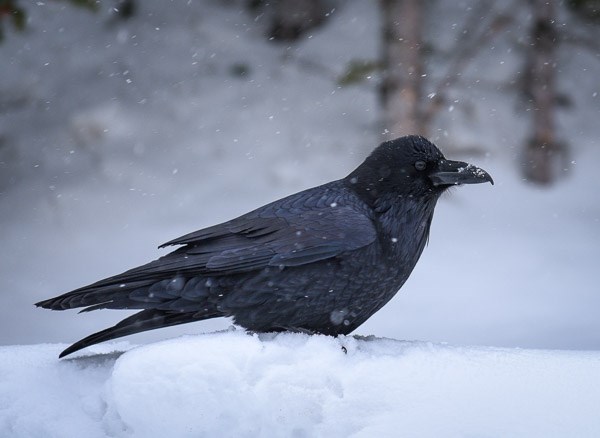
(257, 240)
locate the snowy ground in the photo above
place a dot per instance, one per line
(236, 385)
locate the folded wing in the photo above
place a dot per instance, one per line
(251, 242)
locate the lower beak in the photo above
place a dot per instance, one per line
(456, 172)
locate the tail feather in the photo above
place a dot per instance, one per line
(93, 295)
(148, 319)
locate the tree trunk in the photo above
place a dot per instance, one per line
(543, 152)
(401, 87)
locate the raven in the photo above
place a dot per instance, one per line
(319, 261)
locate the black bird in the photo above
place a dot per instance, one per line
(319, 261)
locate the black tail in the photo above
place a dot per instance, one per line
(145, 320)
(102, 294)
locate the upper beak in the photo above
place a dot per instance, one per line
(456, 172)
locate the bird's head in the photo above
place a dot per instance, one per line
(410, 166)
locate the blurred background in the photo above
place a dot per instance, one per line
(126, 123)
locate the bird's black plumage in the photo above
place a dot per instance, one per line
(320, 261)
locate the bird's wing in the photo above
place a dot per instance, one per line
(301, 239)
(250, 225)
(252, 242)
(255, 242)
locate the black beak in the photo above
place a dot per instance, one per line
(451, 173)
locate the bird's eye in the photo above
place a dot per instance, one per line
(420, 165)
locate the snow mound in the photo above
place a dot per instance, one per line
(236, 384)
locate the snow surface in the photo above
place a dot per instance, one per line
(234, 384)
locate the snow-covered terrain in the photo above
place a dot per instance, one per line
(118, 136)
(237, 385)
